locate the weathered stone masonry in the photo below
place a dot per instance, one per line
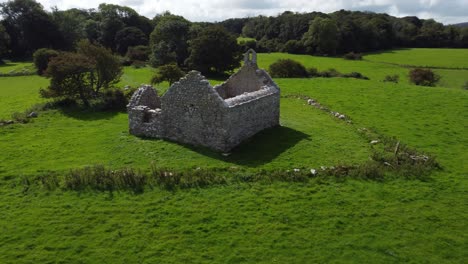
(220, 117)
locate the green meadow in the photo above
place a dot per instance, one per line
(318, 221)
(434, 58)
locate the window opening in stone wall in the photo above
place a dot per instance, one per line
(146, 117)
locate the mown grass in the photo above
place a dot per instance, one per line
(16, 66)
(436, 58)
(69, 140)
(19, 94)
(318, 220)
(244, 39)
(376, 71)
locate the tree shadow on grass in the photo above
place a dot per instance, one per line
(259, 149)
(380, 52)
(87, 114)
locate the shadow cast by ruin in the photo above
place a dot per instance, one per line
(255, 151)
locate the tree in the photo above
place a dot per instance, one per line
(214, 50)
(108, 69)
(137, 53)
(29, 27)
(42, 57)
(170, 73)
(72, 76)
(71, 24)
(127, 37)
(113, 19)
(322, 37)
(174, 32)
(161, 54)
(293, 47)
(82, 74)
(463, 38)
(4, 42)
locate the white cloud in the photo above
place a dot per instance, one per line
(446, 11)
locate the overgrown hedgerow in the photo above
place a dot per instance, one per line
(394, 159)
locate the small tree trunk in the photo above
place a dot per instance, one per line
(83, 98)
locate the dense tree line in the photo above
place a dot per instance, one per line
(26, 26)
(345, 31)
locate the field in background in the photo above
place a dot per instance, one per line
(434, 58)
(376, 71)
(323, 220)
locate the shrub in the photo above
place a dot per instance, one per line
(330, 73)
(42, 57)
(83, 74)
(287, 68)
(68, 73)
(108, 68)
(423, 77)
(293, 47)
(356, 75)
(248, 44)
(20, 117)
(138, 64)
(138, 53)
(161, 54)
(269, 45)
(465, 86)
(114, 100)
(392, 78)
(124, 61)
(352, 56)
(170, 73)
(313, 72)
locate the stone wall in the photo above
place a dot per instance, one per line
(193, 112)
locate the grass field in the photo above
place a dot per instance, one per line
(244, 39)
(376, 71)
(437, 58)
(16, 66)
(19, 93)
(321, 220)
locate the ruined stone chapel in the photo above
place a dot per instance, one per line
(221, 117)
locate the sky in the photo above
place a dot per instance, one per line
(445, 11)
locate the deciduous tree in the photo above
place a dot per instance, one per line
(322, 37)
(214, 50)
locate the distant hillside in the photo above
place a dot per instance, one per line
(462, 25)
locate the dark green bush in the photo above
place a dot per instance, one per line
(313, 72)
(356, 75)
(138, 53)
(287, 68)
(248, 44)
(114, 100)
(352, 56)
(392, 78)
(169, 72)
(330, 73)
(293, 47)
(138, 64)
(42, 57)
(423, 77)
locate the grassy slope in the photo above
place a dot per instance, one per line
(439, 58)
(19, 93)
(376, 71)
(320, 221)
(16, 66)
